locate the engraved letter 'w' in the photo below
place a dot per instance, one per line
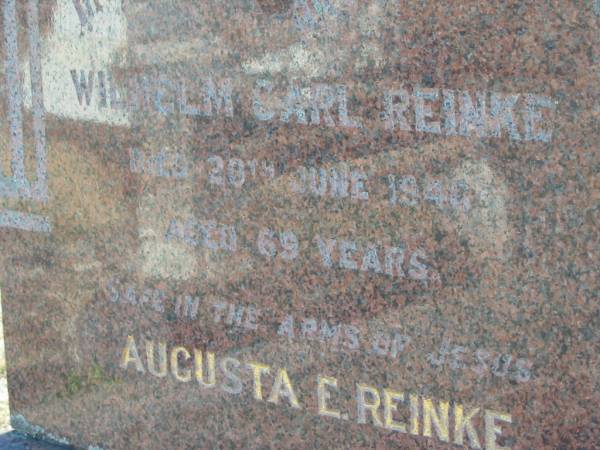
(85, 11)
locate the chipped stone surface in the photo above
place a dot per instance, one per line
(385, 215)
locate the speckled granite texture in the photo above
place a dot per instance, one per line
(301, 223)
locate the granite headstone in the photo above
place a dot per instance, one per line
(301, 223)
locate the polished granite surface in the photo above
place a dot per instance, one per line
(301, 223)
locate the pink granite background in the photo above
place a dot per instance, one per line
(518, 272)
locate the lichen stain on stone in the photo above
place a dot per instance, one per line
(297, 59)
(487, 222)
(329, 33)
(157, 256)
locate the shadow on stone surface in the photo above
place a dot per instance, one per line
(16, 441)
